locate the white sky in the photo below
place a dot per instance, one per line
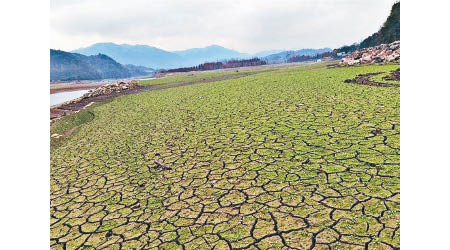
(246, 26)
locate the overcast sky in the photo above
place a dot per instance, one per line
(246, 26)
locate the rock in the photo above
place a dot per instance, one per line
(107, 89)
(377, 54)
(57, 136)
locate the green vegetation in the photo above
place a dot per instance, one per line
(69, 123)
(72, 121)
(202, 76)
(292, 158)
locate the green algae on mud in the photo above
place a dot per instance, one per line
(292, 158)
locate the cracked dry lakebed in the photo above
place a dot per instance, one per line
(294, 158)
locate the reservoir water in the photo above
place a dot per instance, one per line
(62, 97)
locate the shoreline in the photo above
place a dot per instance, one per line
(75, 105)
(65, 87)
(61, 110)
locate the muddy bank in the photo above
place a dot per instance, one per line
(394, 76)
(64, 87)
(366, 79)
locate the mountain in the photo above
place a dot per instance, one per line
(139, 70)
(160, 59)
(211, 53)
(157, 58)
(266, 53)
(284, 56)
(105, 66)
(388, 33)
(66, 66)
(134, 54)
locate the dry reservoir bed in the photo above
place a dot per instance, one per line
(289, 159)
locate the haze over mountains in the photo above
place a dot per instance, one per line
(161, 59)
(113, 61)
(284, 56)
(210, 53)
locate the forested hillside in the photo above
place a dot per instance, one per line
(65, 66)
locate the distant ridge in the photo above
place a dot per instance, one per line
(285, 56)
(160, 59)
(142, 55)
(66, 66)
(210, 53)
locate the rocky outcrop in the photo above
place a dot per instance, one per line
(378, 54)
(110, 88)
(106, 89)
